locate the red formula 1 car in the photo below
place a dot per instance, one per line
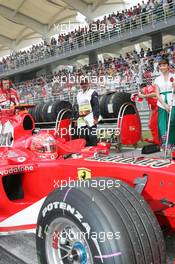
(30, 158)
(104, 208)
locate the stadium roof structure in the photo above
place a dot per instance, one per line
(27, 19)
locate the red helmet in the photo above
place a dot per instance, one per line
(45, 145)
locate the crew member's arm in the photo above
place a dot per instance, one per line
(95, 107)
(166, 106)
(14, 97)
(141, 95)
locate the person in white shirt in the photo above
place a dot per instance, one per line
(88, 105)
(165, 84)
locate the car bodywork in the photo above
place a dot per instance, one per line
(26, 178)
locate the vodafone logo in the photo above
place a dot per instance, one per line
(6, 134)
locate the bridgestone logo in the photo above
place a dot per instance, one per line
(63, 206)
(153, 163)
(67, 207)
(16, 170)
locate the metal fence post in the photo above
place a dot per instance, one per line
(130, 26)
(141, 26)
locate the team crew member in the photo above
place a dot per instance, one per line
(149, 93)
(8, 96)
(164, 87)
(88, 105)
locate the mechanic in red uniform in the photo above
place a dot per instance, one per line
(148, 92)
(8, 96)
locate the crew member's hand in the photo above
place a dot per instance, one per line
(141, 95)
(95, 121)
(173, 85)
(167, 107)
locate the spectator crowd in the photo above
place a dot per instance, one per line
(114, 73)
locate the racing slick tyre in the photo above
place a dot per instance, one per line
(100, 221)
(117, 100)
(44, 111)
(102, 102)
(56, 108)
(39, 112)
(32, 112)
(111, 103)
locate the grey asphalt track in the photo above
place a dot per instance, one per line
(7, 258)
(20, 249)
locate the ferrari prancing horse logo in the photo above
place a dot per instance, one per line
(84, 173)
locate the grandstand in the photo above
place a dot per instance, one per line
(46, 46)
(137, 37)
(35, 70)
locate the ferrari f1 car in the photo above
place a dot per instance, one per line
(101, 208)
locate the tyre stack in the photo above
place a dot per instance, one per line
(45, 114)
(111, 103)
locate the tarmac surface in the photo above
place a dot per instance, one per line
(20, 248)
